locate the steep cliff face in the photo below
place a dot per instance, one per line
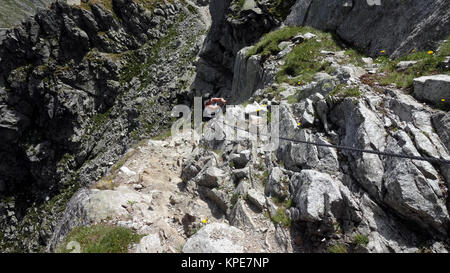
(233, 27)
(78, 85)
(372, 26)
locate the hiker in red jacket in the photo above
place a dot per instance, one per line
(213, 106)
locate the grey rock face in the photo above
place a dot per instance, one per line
(241, 217)
(433, 89)
(71, 219)
(403, 65)
(149, 244)
(277, 183)
(215, 238)
(362, 128)
(256, 198)
(247, 75)
(441, 123)
(357, 22)
(317, 196)
(241, 159)
(211, 177)
(411, 190)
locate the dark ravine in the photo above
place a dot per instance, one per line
(80, 86)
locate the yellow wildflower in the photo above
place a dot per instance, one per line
(383, 51)
(430, 52)
(299, 124)
(204, 221)
(442, 100)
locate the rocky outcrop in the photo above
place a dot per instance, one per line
(368, 24)
(247, 75)
(433, 89)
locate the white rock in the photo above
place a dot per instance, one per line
(256, 198)
(149, 244)
(309, 36)
(403, 65)
(216, 238)
(127, 171)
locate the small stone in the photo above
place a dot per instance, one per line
(309, 36)
(127, 171)
(403, 65)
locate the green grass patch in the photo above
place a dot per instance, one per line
(428, 63)
(343, 91)
(361, 239)
(337, 248)
(281, 218)
(268, 45)
(101, 239)
(302, 63)
(286, 203)
(240, 3)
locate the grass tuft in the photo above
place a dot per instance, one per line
(101, 239)
(428, 63)
(281, 218)
(361, 239)
(268, 45)
(337, 248)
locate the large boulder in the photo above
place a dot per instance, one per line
(211, 177)
(434, 89)
(256, 198)
(241, 159)
(216, 238)
(149, 244)
(277, 184)
(317, 196)
(106, 204)
(412, 187)
(441, 122)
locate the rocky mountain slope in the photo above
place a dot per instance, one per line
(81, 85)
